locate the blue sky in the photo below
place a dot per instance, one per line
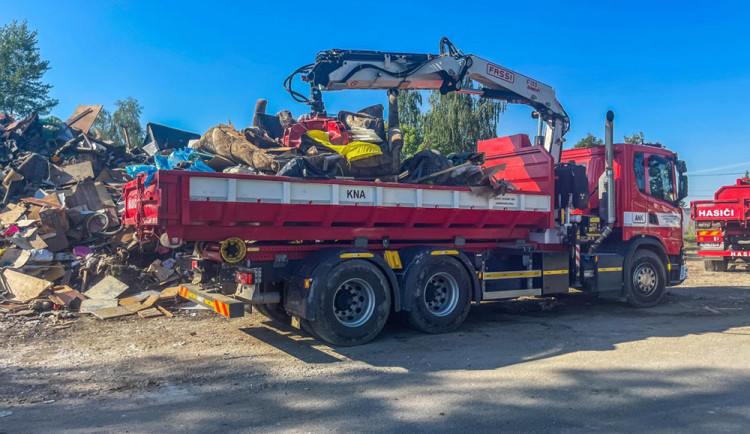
(678, 71)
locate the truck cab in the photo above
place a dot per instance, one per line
(650, 183)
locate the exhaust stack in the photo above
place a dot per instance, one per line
(609, 149)
(608, 186)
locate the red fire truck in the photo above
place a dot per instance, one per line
(338, 257)
(723, 233)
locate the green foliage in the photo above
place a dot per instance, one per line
(412, 141)
(635, 139)
(456, 121)
(589, 141)
(22, 91)
(747, 174)
(453, 123)
(127, 113)
(410, 121)
(409, 108)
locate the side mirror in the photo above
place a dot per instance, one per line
(682, 187)
(681, 166)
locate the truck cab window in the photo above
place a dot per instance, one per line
(640, 171)
(660, 178)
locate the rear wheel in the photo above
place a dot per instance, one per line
(274, 312)
(646, 279)
(441, 296)
(722, 265)
(713, 265)
(353, 304)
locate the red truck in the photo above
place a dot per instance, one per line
(722, 224)
(338, 257)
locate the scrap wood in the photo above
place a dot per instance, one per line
(91, 305)
(150, 313)
(169, 295)
(47, 201)
(150, 301)
(13, 213)
(130, 300)
(165, 312)
(66, 296)
(133, 307)
(112, 312)
(83, 117)
(62, 175)
(108, 288)
(24, 287)
(63, 325)
(12, 307)
(25, 312)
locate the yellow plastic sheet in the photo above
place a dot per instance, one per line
(352, 151)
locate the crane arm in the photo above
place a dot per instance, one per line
(353, 69)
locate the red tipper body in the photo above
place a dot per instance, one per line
(722, 224)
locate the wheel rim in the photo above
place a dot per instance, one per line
(354, 302)
(441, 294)
(645, 279)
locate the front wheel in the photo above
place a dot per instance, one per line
(646, 279)
(352, 305)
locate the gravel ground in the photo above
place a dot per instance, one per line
(580, 365)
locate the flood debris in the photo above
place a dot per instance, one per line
(63, 249)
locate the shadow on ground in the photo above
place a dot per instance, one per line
(409, 381)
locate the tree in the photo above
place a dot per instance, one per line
(635, 139)
(747, 174)
(22, 90)
(589, 141)
(410, 121)
(456, 121)
(128, 114)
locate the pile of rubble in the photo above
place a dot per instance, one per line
(64, 251)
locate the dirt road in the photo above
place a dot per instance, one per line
(583, 365)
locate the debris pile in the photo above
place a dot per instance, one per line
(347, 146)
(64, 251)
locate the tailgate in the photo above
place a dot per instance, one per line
(716, 210)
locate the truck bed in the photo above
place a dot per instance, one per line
(199, 206)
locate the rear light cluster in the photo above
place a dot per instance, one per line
(245, 278)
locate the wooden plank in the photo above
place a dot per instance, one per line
(107, 289)
(25, 287)
(165, 312)
(112, 312)
(150, 313)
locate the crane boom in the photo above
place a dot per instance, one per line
(355, 69)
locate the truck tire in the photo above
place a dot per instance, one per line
(353, 304)
(713, 265)
(307, 327)
(274, 312)
(721, 265)
(441, 296)
(645, 280)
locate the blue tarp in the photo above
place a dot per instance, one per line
(175, 159)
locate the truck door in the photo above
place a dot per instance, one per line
(657, 192)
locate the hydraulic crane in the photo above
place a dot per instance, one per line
(357, 69)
